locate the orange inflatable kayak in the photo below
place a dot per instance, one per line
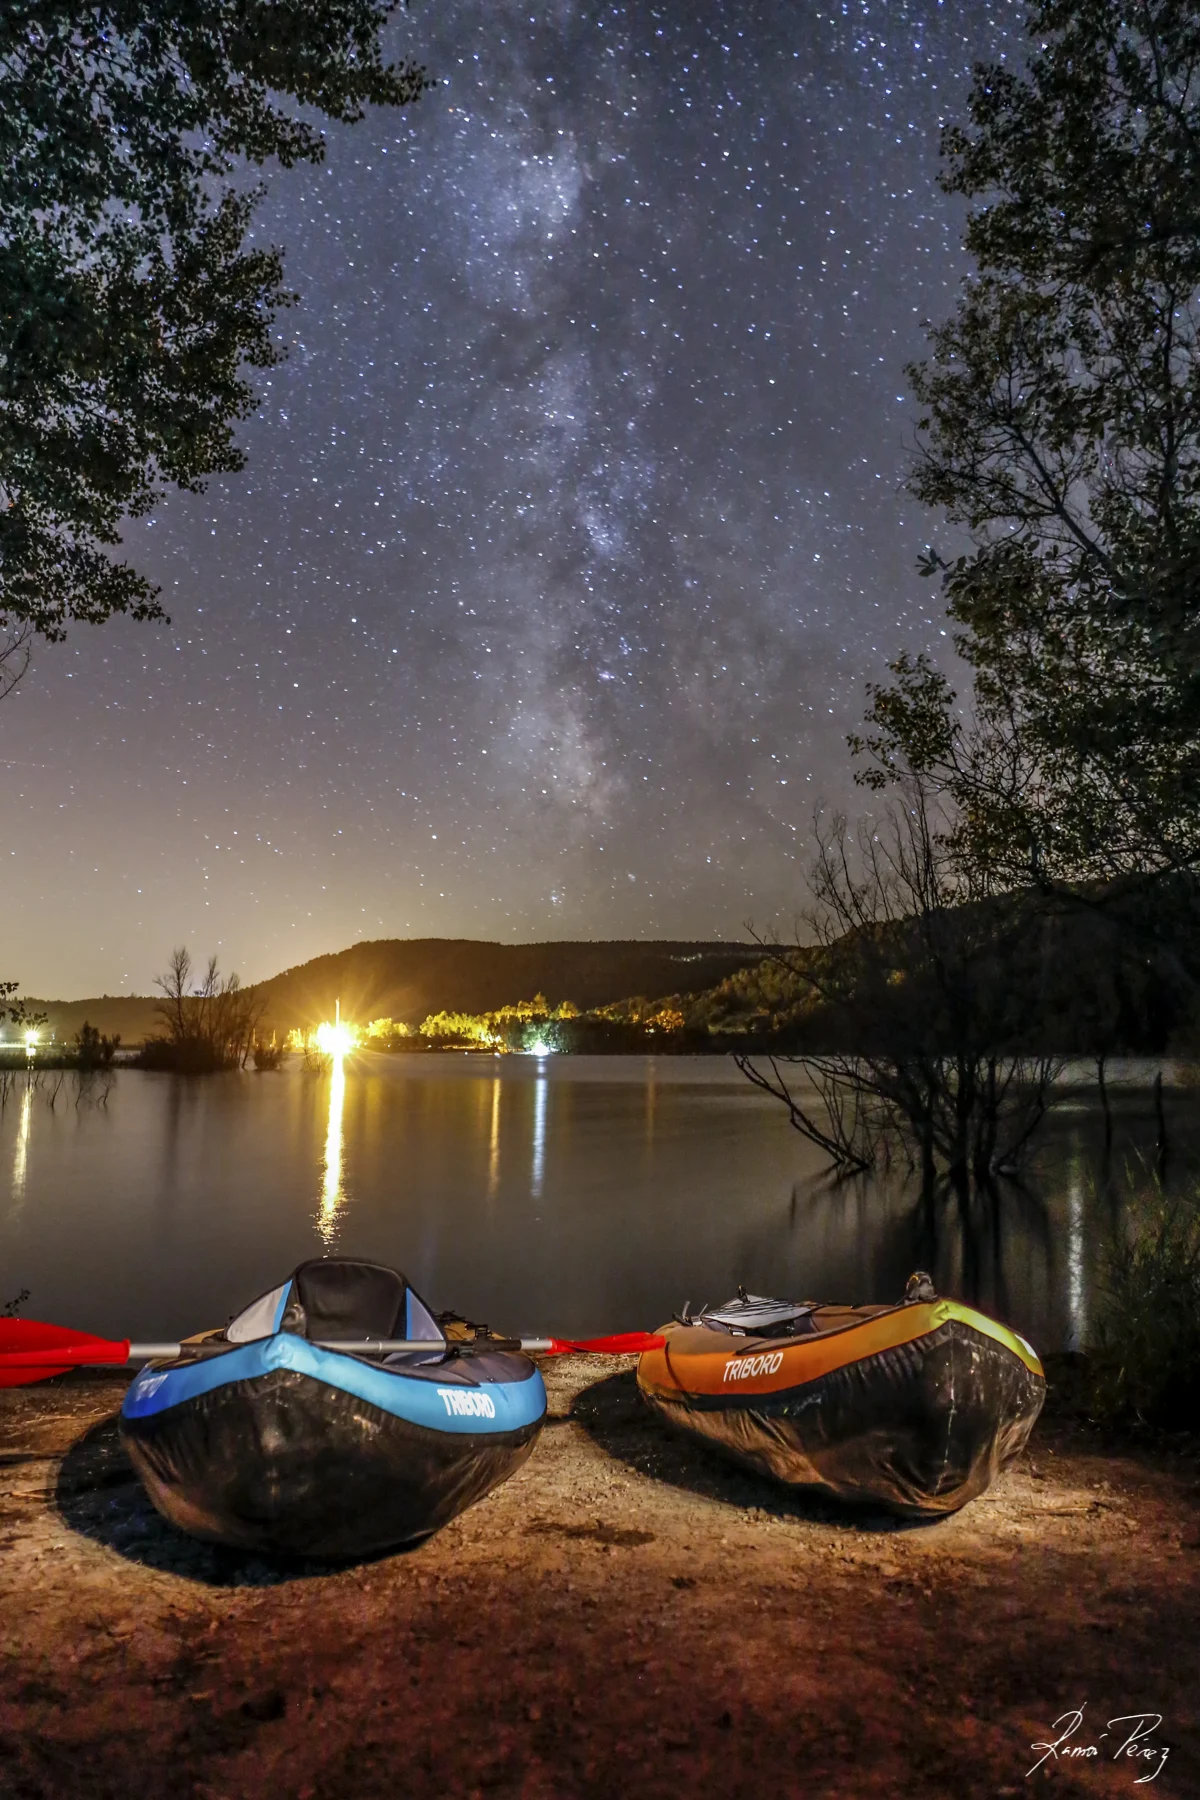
(915, 1407)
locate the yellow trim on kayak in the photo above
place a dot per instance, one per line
(689, 1363)
(1012, 1340)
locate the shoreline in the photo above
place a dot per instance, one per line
(625, 1617)
(1123, 1075)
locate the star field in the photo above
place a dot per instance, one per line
(571, 528)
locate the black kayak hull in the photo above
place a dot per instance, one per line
(920, 1426)
(286, 1465)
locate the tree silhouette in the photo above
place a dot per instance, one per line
(130, 304)
(1061, 431)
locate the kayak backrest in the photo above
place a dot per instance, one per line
(339, 1297)
(336, 1298)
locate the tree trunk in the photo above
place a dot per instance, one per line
(964, 1106)
(987, 1128)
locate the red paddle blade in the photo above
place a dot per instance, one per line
(32, 1351)
(624, 1343)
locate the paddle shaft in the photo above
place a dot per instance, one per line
(72, 1354)
(39, 1357)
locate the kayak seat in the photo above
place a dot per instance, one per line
(339, 1297)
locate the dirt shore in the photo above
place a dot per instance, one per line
(626, 1617)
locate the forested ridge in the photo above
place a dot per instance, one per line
(409, 978)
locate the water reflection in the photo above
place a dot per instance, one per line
(493, 1182)
(671, 1180)
(21, 1150)
(1076, 1290)
(539, 1132)
(333, 1193)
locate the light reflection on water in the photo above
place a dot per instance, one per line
(539, 1134)
(493, 1182)
(568, 1196)
(333, 1196)
(21, 1151)
(1076, 1272)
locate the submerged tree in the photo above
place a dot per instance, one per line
(131, 300)
(1061, 429)
(922, 990)
(208, 1025)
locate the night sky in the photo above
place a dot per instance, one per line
(572, 526)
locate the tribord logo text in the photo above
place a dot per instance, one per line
(740, 1368)
(468, 1403)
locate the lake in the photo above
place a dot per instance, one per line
(568, 1196)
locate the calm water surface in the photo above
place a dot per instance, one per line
(570, 1196)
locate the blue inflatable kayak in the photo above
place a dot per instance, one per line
(258, 1437)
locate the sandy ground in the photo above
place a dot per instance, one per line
(626, 1617)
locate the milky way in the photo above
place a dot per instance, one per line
(572, 526)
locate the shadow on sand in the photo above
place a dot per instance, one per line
(99, 1496)
(615, 1417)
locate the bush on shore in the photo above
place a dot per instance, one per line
(1146, 1356)
(94, 1050)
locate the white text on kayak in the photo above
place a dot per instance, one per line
(468, 1403)
(739, 1367)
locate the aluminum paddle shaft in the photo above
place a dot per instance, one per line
(117, 1353)
(26, 1355)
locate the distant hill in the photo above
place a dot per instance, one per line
(409, 978)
